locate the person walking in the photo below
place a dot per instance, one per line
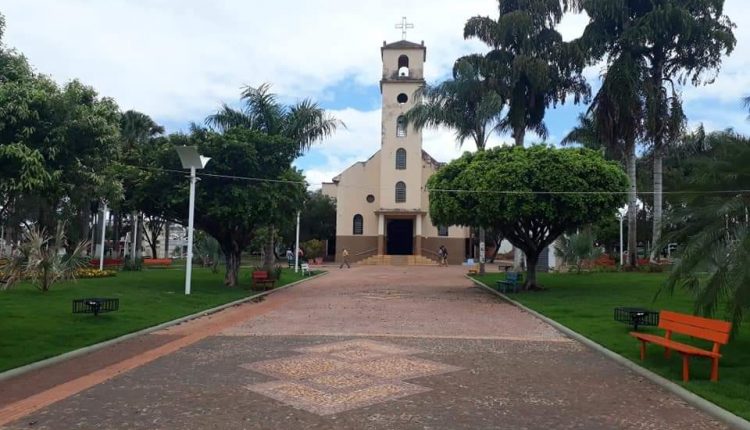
(345, 259)
(444, 256)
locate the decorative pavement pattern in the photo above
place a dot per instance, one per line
(341, 376)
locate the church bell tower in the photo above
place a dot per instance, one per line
(401, 144)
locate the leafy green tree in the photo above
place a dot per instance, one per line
(230, 210)
(711, 227)
(675, 42)
(528, 64)
(318, 218)
(303, 123)
(531, 195)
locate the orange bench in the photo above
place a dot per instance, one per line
(157, 261)
(260, 277)
(712, 330)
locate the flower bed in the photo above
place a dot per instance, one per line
(94, 273)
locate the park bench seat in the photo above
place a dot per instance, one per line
(511, 283)
(262, 279)
(712, 330)
(157, 262)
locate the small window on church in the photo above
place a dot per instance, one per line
(443, 230)
(370, 198)
(358, 225)
(400, 192)
(401, 126)
(402, 98)
(400, 159)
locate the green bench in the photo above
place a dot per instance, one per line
(511, 284)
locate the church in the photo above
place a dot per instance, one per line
(382, 203)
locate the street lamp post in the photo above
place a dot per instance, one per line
(104, 224)
(190, 159)
(622, 212)
(296, 247)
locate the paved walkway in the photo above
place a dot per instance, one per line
(366, 348)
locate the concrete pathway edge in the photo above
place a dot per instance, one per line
(693, 399)
(91, 348)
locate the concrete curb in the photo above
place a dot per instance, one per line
(694, 400)
(97, 346)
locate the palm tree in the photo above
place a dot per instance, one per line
(304, 123)
(713, 229)
(654, 34)
(465, 104)
(529, 64)
(617, 112)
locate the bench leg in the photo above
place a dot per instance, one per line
(685, 368)
(714, 370)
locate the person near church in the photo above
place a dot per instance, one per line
(345, 259)
(443, 256)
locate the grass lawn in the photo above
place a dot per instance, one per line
(585, 304)
(36, 325)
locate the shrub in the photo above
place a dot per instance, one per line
(133, 265)
(41, 260)
(313, 248)
(577, 250)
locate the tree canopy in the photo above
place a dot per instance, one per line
(531, 196)
(528, 64)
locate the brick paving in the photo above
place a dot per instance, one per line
(369, 348)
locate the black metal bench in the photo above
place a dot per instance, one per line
(512, 282)
(95, 305)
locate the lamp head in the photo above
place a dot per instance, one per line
(190, 158)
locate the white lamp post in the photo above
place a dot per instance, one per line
(296, 247)
(190, 159)
(622, 212)
(104, 224)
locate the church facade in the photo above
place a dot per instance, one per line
(382, 204)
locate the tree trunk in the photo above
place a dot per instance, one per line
(167, 224)
(496, 251)
(116, 227)
(658, 197)
(139, 238)
(519, 135)
(482, 250)
(531, 260)
(232, 258)
(632, 258)
(268, 256)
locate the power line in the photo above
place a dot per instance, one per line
(446, 190)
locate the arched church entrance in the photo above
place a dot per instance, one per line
(400, 237)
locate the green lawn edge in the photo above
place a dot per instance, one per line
(35, 326)
(585, 304)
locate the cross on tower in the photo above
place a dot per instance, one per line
(403, 26)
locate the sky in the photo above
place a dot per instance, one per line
(177, 61)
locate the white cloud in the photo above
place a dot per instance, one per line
(178, 60)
